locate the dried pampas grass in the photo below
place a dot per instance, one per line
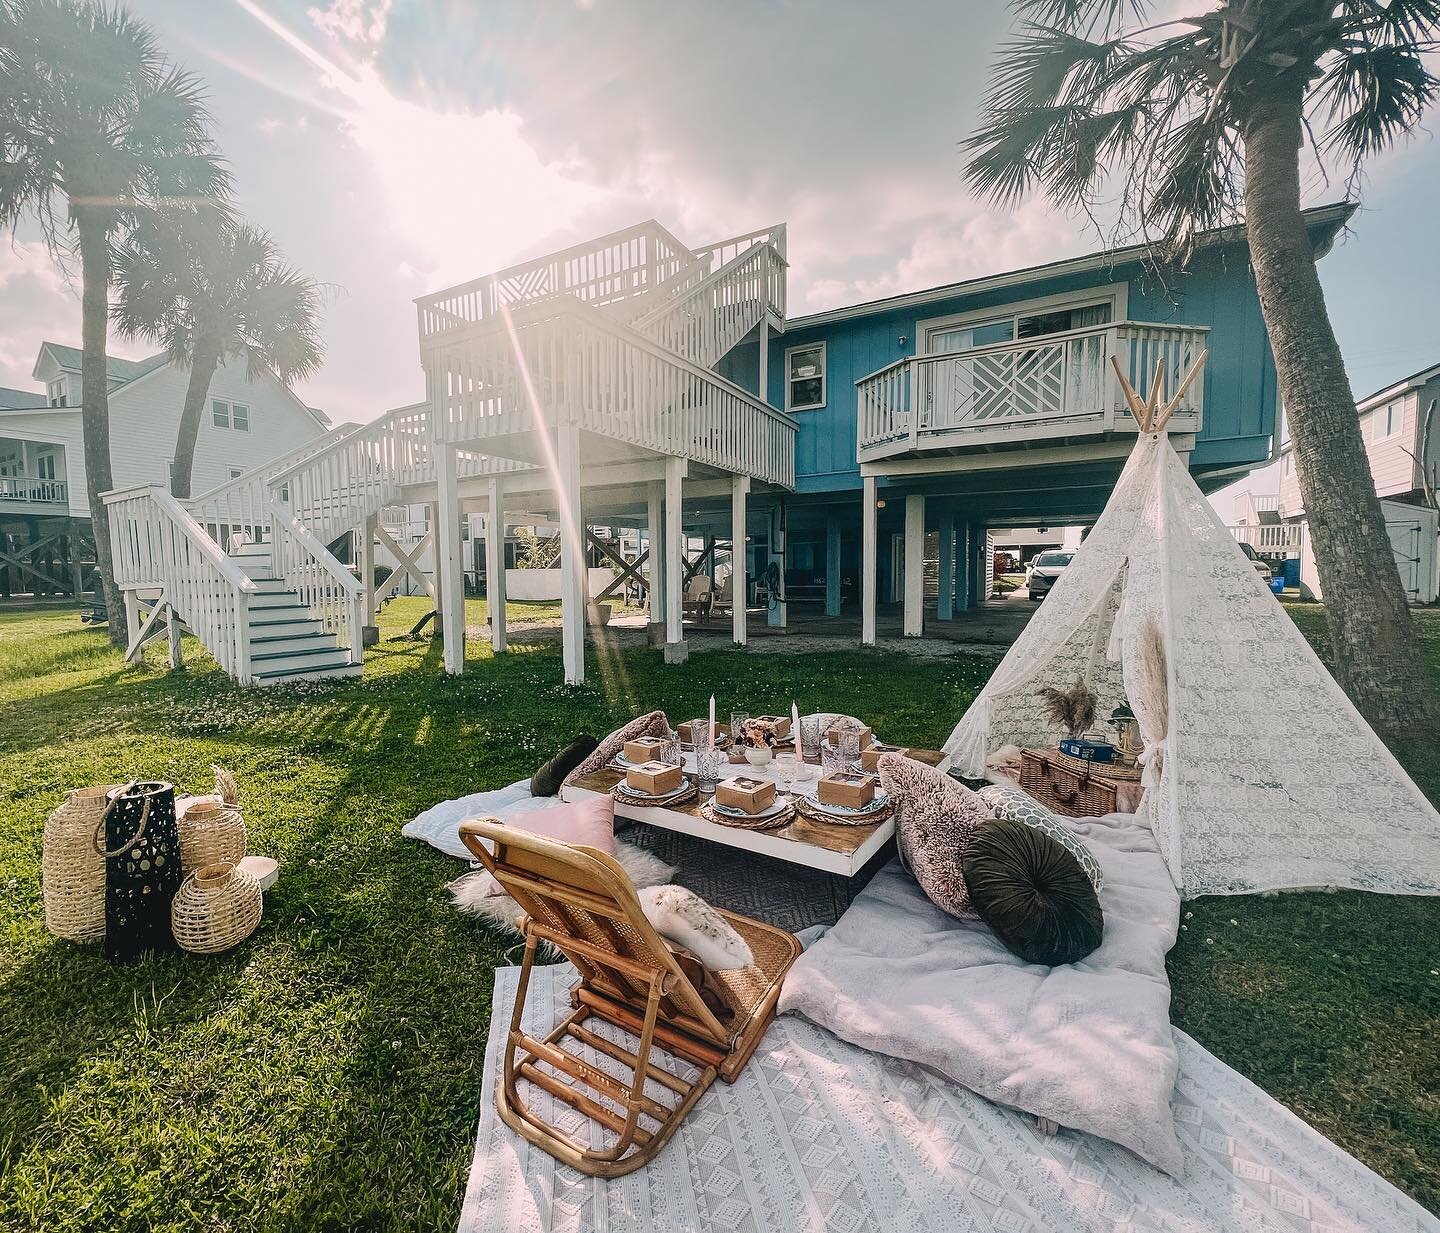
(225, 786)
(1072, 709)
(1152, 706)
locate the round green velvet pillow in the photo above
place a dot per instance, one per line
(547, 780)
(1032, 893)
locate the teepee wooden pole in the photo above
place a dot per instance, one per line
(1157, 394)
(1132, 398)
(1170, 407)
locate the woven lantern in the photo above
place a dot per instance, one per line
(72, 871)
(210, 833)
(218, 906)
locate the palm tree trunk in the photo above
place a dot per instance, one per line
(95, 402)
(1375, 652)
(203, 363)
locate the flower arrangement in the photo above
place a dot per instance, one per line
(759, 734)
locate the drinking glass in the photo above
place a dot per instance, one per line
(738, 720)
(698, 726)
(674, 756)
(784, 771)
(810, 738)
(849, 745)
(831, 759)
(708, 763)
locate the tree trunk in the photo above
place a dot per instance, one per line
(95, 402)
(202, 370)
(1375, 651)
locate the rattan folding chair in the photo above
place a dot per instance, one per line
(659, 1001)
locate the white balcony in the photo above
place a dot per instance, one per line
(33, 490)
(1043, 390)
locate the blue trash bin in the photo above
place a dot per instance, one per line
(1277, 584)
(1292, 571)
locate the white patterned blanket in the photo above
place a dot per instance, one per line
(820, 1135)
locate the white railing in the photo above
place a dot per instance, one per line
(705, 321)
(1050, 385)
(713, 256)
(563, 362)
(325, 587)
(611, 270)
(241, 506)
(157, 544)
(33, 489)
(1265, 503)
(1272, 538)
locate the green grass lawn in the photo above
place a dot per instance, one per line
(325, 1075)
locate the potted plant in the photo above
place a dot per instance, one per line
(758, 739)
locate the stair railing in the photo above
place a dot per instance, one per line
(157, 544)
(325, 587)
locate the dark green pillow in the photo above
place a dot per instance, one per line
(1032, 892)
(547, 780)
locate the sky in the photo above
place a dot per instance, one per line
(395, 147)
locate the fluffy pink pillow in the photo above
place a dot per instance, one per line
(590, 822)
(936, 817)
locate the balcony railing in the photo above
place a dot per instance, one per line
(1056, 385)
(33, 490)
(1272, 539)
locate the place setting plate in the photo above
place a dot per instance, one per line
(634, 796)
(843, 815)
(780, 812)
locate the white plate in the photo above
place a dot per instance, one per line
(649, 798)
(845, 811)
(780, 803)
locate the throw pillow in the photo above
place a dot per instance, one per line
(652, 724)
(590, 822)
(680, 916)
(1032, 892)
(936, 818)
(1008, 801)
(547, 780)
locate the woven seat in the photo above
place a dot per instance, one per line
(663, 1028)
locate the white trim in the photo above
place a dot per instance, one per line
(1117, 293)
(824, 379)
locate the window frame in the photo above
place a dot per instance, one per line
(57, 392)
(235, 419)
(1118, 295)
(822, 346)
(216, 404)
(1389, 420)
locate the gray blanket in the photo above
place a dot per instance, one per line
(1086, 1045)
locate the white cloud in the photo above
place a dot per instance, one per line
(354, 21)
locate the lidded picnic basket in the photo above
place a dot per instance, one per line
(1066, 787)
(211, 832)
(218, 906)
(72, 871)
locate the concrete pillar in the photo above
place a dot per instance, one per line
(655, 534)
(449, 564)
(914, 565)
(495, 566)
(832, 565)
(945, 602)
(869, 563)
(776, 612)
(739, 558)
(676, 651)
(573, 573)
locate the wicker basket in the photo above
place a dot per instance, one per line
(217, 907)
(72, 871)
(1073, 790)
(211, 833)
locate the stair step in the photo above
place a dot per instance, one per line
(270, 601)
(307, 642)
(269, 586)
(318, 672)
(313, 650)
(284, 626)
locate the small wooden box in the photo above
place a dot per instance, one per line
(644, 749)
(870, 758)
(655, 777)
(835, 732)
(847, 788)
(779, 724)
(744, 792)
(694, 732)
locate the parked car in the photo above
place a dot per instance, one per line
(1043, 570)
(1262, 567)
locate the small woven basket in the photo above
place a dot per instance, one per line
(218, 906)
(211, 833)
(72, 871)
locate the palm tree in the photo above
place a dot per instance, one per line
(212, 290)
(1180, 126)
(97, 130)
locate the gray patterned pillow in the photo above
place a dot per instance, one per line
(1007, 801)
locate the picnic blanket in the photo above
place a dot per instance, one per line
(820, 1135)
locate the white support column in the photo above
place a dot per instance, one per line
(914, 565)
(495, 565)
(676, 652)
(739, 558)
(945, 574)
(449, 564)
(869, 565)
(655, 534)
(172, 628)
(365, 561)
(776, 613)
(573, 573)
(132, 617)
(832, 566)
(432, 512)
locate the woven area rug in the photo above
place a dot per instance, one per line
(819, 1135)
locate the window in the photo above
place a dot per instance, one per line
(222, 413)
(236, 472)
(1388, 420)
(240, 417)
(805, 377)
(1014, 323)
(57, 393)
(45, 466)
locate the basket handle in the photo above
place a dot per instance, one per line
(99, 836)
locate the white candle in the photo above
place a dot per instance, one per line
(711, 729)
(795, 726)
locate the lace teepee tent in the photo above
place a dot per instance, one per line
(1259, 772)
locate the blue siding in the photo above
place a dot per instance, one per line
(1218, 291)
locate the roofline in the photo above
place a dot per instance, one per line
(1332, 216)
(1412, 382)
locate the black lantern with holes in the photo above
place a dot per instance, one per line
(142, 870)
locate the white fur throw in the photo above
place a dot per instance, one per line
(682, 917)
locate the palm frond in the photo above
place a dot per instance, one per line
(1371, 96)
